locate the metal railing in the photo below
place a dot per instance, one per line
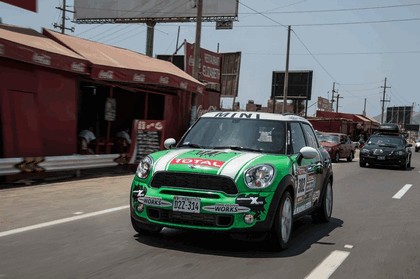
(10, 166)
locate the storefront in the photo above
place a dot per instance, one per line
(38, 93)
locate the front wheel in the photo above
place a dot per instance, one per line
(350, 158)
(283, 223)
(336, 157)
(362, 164)
(323, 214)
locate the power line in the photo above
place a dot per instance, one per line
(339, 10)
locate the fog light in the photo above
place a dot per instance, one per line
(249, 219)
(140, 207)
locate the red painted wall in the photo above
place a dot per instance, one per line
(38, 110)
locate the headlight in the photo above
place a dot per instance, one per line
(399, 152)
(259, 177)
(364, 151)
(144, 167)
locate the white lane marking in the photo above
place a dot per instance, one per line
(78, 213)
(348, 246)
(61, 221)
(402, 191)
(328, 265)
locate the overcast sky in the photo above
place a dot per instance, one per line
(355, 44)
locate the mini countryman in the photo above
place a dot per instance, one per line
(243, 173)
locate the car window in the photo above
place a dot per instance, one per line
(310, 136)
(386, 140)
(297, 137)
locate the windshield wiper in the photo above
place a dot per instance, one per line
(237, 147)
(191, 145)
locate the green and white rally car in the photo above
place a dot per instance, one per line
(235, 172)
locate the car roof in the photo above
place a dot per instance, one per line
(255, 115)
(332, 134)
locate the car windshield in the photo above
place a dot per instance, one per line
(257, 135)
(328, 138)
(384, 140)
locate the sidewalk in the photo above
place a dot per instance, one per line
(54, 177)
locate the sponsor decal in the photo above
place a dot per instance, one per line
(41, 59)
(226, 208)
(78, 67)
(209, 153)
(254, 202)
(139, 77)
(302, 208)
(106, 74)
(164, 80)
(153, 201)
(2, 51)
(199, 162)
(315, 196)
(238, 115)
(301, 187)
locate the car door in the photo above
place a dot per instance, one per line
(309, 179)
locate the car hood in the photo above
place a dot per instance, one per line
(379, 149)
(209, 161)
(329, 144)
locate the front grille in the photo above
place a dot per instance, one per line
(194, 181)
(192, 219)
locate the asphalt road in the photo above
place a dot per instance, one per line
(81, 229)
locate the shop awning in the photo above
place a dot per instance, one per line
(29, 46)
(111, 63)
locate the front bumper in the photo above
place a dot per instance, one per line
(383, 160)
(217, 212)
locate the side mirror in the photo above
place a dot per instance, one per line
(307, 152)
(169, 143)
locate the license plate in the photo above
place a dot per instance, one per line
(381, 157)
(186, 204)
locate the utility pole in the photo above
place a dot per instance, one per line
(197, 50)
(62, 26)
(336, 104)
(383, 100)
(333, 96)
(364, 109)
(150, 37)
(286, 73)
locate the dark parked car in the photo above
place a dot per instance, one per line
(387, 147)
(417, 146)
(338, 145)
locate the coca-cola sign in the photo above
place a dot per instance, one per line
(41, 59)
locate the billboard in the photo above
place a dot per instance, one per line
(299, 85)
(324, 104)
(231, 64)
(24, 4)
(399, 115)
(209, 65)
(121, 11)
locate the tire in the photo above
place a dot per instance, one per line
(283, 223)
(350, 158)
(361, 164)
(406, 164)
(336, 157)
(145, 229)
(323, 214)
